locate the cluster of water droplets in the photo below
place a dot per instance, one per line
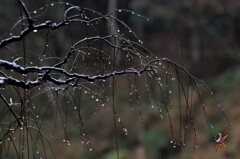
(177, 145)
(67, 142)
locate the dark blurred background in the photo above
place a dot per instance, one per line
(192, 32)
(201, 35)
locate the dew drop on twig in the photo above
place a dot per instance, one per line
(126, 131)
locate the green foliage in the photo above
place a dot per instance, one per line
(155, 141)
(112, 155)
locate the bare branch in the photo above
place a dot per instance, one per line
(26, 12)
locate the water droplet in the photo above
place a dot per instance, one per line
(35, 30)
(35, 12)
(52, 4)
(90, 149)
(125, 130)
(119, 10)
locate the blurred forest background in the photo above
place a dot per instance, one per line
(201, 35)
